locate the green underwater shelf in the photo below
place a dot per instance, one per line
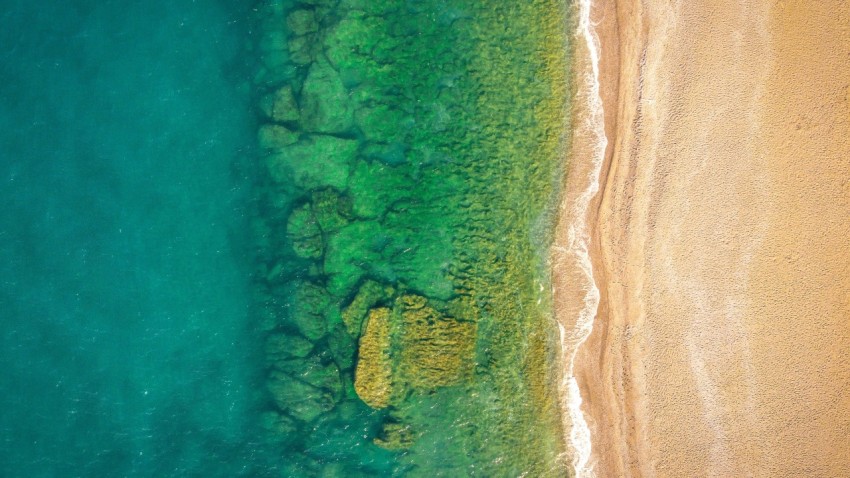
(411, 153)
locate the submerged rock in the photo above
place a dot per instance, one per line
(325, 106)
(336, 470)
(273, 42)
(382, 123)
(275, 56)
(375, 7)
(352, 252)
(303, 231)
(280, 426)
(375, 187)
(331, 209)
(311, 306)
(298, 465)
(280, 106)
(314, 162)
(275, 137)
(348, 43)
(268, 318)
(391, 154)
(357, 53)
(368, 296)
(301, 22)
(342, 347)
(374, 375)
(301, 400)
(395, 436)
(282, 347)
(307, 225)
(302, 49)
(320, 3)
(312, 371)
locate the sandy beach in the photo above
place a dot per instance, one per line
(720, 344)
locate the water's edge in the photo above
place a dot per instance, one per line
(576, 294)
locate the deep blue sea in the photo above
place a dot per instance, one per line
(125, 159)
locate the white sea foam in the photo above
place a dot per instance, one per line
(591, 129)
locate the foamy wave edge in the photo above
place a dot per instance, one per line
(578, 239)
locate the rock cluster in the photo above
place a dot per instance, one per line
(405, 148)
(348, 222)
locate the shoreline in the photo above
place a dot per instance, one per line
(720, 342)
(574, 291)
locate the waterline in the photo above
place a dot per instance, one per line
(590, 146)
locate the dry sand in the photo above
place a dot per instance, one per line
(720, 241)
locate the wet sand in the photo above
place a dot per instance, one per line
(719, 241)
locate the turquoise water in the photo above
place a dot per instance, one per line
(125, 160)
(279, 238)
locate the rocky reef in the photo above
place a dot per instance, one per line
(411, 348)
(410, 152)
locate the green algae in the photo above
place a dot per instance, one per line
(280, 106)
(313, 162)
(369, 295)
(412, 151)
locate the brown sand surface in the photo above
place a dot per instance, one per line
(721, 241)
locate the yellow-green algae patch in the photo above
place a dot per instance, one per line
(412, 151)
(374, 375)
(411, 348)
(435, 350)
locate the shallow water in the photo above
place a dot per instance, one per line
(411, 153)
(295, 239)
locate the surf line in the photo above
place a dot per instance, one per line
(591, 144)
